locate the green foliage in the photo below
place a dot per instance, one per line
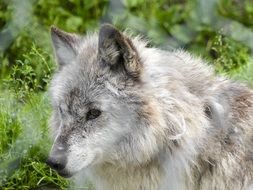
(245, 74)
(10, 128)
(4, 15)
(21, 155)
(74, 15)
(33, 173)
(155, 19)
(188, 24)
(229, 55)
(241, 11)
(31, 74)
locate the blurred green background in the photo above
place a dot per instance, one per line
(220, 31)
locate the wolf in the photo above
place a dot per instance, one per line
(135, 117)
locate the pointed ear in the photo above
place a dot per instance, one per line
(65, 45)
(118, 51)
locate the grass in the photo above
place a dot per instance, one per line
(27, 64)
(25, 143)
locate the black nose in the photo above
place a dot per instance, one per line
(56, 163)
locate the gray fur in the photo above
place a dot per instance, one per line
(167, 122)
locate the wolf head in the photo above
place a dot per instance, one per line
(100, 113)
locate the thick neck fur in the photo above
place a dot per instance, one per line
(144, 176)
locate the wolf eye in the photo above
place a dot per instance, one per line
(93, 114)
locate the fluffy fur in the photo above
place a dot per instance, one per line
(166, 123)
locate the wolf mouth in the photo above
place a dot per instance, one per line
(64, 173)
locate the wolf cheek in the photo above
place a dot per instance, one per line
(82, 157)
(70, 157)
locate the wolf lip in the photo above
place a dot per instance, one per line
(65, 174)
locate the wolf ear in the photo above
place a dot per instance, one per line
(65, 45)
(117, 51)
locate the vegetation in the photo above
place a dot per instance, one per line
(220, 32)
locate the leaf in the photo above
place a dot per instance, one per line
(74, 22)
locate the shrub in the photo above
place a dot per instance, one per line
(31, 74)
(229, 55)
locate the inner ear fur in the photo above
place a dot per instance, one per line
(118, 51)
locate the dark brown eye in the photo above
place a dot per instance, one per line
(93, 114)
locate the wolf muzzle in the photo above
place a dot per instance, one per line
(57, 160)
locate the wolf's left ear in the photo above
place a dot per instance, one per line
(118, 51)
(65, 45)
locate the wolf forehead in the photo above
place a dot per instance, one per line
(74, 84)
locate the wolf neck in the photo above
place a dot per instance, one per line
(112, 177)
(149, 176)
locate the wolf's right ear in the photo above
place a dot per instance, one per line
(65, 45)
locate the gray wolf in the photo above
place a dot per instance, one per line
(134, 117)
